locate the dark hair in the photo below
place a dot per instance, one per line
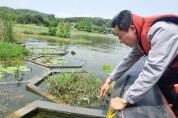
(123, 20)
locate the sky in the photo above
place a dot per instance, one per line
(95, 8)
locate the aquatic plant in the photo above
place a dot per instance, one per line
(10, 51)
(75, 88)
(52, 60)
(107, 67)
(13, 70)
(28, 32)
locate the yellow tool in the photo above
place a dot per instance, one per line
(110, 114)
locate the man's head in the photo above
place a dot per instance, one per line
(124, 28)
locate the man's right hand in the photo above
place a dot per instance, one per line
(105, 88)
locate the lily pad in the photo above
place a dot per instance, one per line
(10, 70)
(61, 58)
(107, 67)
(73, 53)
(24, 68)
(20, 79)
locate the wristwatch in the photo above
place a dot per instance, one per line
(124, 101)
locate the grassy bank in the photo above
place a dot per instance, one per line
(10, 51)
(77, 37)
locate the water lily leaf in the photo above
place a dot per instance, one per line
(61, 58)
(24, 68)
(10, 69)
(20, 79)
(73, 53)
(63, 62)
(54, 61)
(107, 67)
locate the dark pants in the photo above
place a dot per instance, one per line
(166, 84)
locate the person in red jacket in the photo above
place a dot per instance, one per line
(156, 37)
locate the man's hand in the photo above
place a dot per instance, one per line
(117, 104)
(105, 88)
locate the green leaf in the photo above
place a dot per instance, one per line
(10, 69)
(19, 62)
(73, 53)
(20, 79)
(24, 68)
(107, 67)
(61, 58)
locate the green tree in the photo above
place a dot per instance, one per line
(24, 19)
(85, 25)
(52, 31)
(64, 30)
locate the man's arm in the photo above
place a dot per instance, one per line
(126, 63)
(120, 69)
(164, 41)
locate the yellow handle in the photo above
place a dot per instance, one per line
(110, 114)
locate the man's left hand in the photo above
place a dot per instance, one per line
(117, 104)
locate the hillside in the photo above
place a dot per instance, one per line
(22, 11)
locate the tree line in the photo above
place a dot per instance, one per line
(88, 24)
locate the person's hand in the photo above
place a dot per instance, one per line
(117, 104)
(105, 87)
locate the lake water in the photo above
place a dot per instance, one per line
(103, 51)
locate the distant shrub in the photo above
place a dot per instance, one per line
(52, 31)
(28, 32)
(43, 33)
(64, 30)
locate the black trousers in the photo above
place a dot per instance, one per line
(166, 84)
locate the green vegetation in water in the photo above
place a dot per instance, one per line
(52, 60)
(107, 67)
(75, 88)
(13, 70)
(73, 52)
(45, 50)
(10, 51)
(28, 32)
